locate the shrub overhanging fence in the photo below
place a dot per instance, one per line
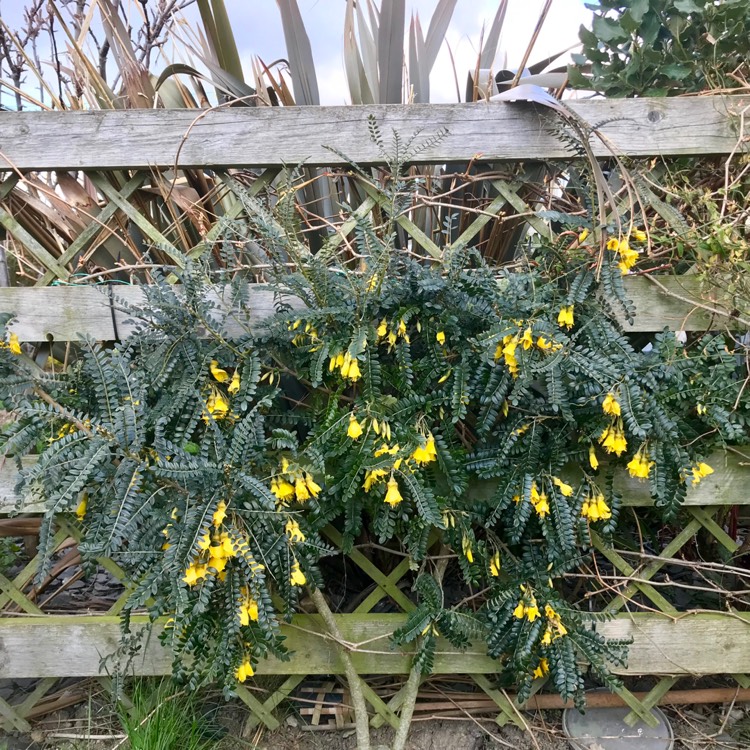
(257, 145)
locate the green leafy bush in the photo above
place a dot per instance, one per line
(663, 47)
(422, 403)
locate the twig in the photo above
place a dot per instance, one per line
(358, 699)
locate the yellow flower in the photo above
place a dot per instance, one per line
(583, 235)
(401, 327)
(244, 671)
(13, 344)
(354, 373)
(425, 454)
(518, 611)
(300, 490)
(204, 542)
(220, 514)
(628, 257)
(248, 611)
(220, 375)
(613, 439)
(81, 509)
(466, 549)
(539, 501)
(700, 471)
(509, 353)
(226, 546)
(282, 489)
(565, 489)
(373, 477)
(392, 495)
(234, 386)
(382, 329)
(217, 563)
(297, 577)
(532, 611)
(542, 669)
(293, 531)
(355, 428)
(527, 340)
(593, 460)
(543, 343)
(639, 466)
(565, 317)
(195, 573)
(440, 337)
(217, 406)
(311, 485)
(638, 235)
(596, 508)
(613, 244)
(611, 405)
(701, 409)
(385, 449)
(495, 565)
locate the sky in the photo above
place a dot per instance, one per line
(258, 30)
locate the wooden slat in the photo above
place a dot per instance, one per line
(72, 646)
(280, 136)
(726, 486)
(68, 312)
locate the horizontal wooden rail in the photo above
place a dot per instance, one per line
(278, 136)
(73, 646)
(726, 486)
(65, 313)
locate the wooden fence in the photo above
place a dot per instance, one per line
(668, 642)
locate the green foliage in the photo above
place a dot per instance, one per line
(664, 47)
(423, 403)
(163, 718)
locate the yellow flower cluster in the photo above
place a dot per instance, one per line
(248, 608)
(555, 629)
(308, 331)
(506, 349)
(292, 483)
(613, 438)
(466, 548)
(495, 565)
(347, 365)
(425, 454)
(293, 531)
(543, 669)
(244, 671)
(217, 404)
(213, 557)
(595, 508)
(627, 256)
(565, 317)
(13, 344)
(396, 331)
(639, 466)
(611, 405)
(297, 577)
(540, 501)
(526, 607)
(700, 471)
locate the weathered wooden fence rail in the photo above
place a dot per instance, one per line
(277, 137)
(667, 643)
